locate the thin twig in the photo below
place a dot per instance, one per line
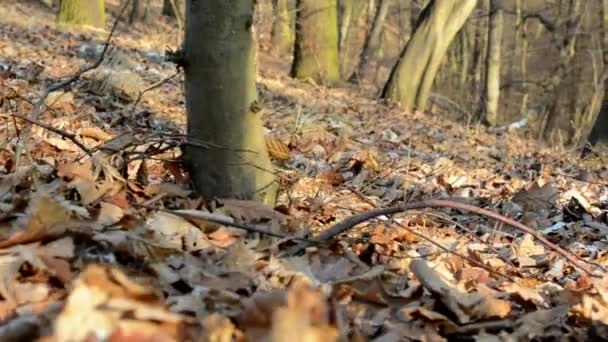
(352, 221)
(67, 135)
(228, 221)
(473, 236)
(153, 86)
(447, 250)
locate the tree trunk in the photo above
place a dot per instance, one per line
(353, 22)
(169, 11)
(316, 48)
(465, 55)
(493, 62)
(226, 153)
(372, 42)
(522, 33)
(405, 20)
(139, 11)
(82, 12)
(283, 28)
(479, 53)
(599, 132)
(568, 38)
(412, 77)
(345, 19)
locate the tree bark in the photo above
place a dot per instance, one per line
(493, 62)
(283, 27)
(345, 19)
(599, 132)
(479, 52)
(82, 12)
(353, 22)
(372, 43)
(169, 11)
(412, 77)
(316, 47)
(226, 153)
(567, 39)
(139, 11)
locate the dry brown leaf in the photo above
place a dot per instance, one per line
(109, 214)
(105, 303)
(169, 189)
(45, 217)
(165, 230)
(277, 148)
(48, 258)
(62, 144)
(95, 133)
(217, 328)
(525, 294)
(77, 170)
(527, 249)
(60, 100)
(300, 315)
(537, 198)
(224, 237)
(465, 306)
(91, 191)
(427, 316)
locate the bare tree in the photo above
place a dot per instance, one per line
(226, 153)
(82, 12)
(493, 62)
(283, 27)
(316, 48)
(372, 43)
(412, 77)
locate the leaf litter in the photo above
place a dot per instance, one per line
(116, 246)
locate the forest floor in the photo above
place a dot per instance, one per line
(115, 246)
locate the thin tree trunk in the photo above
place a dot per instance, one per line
(465, 55)
(82, 12)
(226, 153)
(479, 53)
(522, 33)
(174, 9)
(372, 42)
(352, 26)
(412, 77)
(139, 11)
(493, 62)
(346, 15)
(283, 27)
(316, 48)
(567, 51)
(405, 20)
(599, 132)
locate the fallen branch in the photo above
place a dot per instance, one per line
(354, 220)
(67, 135)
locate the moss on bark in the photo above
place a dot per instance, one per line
(283, 27)
(412, 78)
(226, 156)
(316, 48)
(82, 12)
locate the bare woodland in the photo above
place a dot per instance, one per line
(303, 170)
